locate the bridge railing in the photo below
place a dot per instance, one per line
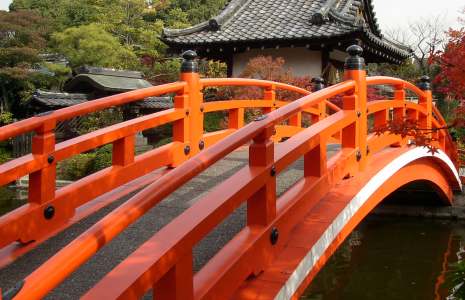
(49, 209)
(164, 262)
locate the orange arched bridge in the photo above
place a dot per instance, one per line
(287, 238)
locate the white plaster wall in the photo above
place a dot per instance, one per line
(303, 62)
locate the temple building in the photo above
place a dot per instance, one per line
(311, 35)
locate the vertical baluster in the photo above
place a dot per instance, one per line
(270, 95)
(236, 118)
(123, 151)
(177, 283)
(42, 183)
(425, 121)
(261, 207)
(319, 84)
(315, 161)
(399, 112)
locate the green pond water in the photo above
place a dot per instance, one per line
(392, 258)
(11, 198)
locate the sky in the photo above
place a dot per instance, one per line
(398, 13)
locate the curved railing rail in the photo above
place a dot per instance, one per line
(164, 263)
(49, 210)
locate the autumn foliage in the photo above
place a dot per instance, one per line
(273, 69)
(452, 63)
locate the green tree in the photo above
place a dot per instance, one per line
(197, 11)
(92, 45)
(23, 35)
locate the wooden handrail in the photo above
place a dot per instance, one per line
(191, 152)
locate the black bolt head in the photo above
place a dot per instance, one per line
(274, 236)
(50, 159)
(273, 171)
(359, 155)
(187, 150)
(49, 212)
(201, 145)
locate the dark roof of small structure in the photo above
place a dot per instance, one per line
(57, 100)
(107, 80)
(155, 103)
(307, 22)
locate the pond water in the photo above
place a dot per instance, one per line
(11, 198)
(392, 258)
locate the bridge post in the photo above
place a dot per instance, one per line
(270, 95)
(261, 207)
(399, 112)
(355, 136)
(177, 283)
(42, 183)
(427, 102)
(319, 84)
(189, 130)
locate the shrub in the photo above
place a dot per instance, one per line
(103, 158)
(82, 165)
(76, 167)
(5, 154)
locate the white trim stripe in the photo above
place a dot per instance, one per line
(309, 261)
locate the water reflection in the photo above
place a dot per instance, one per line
(11, 197)
(392, 258)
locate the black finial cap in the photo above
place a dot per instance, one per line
(318, 83)
(425, 83)
(189, 65)
(355, 60)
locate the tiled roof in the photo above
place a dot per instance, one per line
(245, 21)
(109, 72)
(57, 100)
(155, 103)
(106, 83)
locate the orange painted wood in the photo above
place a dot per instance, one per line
(164, 262)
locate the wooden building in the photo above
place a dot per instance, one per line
(311, 35)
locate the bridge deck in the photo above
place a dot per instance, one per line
(135, 235)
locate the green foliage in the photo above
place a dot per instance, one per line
(100, 120)
(197, 11)
(103, 158)
(6, 118)
(407, 70)
(82, 165)
(5, 154)
(76, 167)
(214, 121)
(23, 35)
(457, 280)
(77, 43)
